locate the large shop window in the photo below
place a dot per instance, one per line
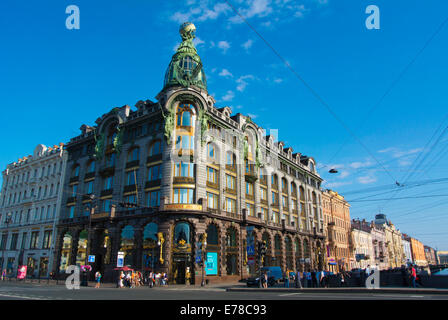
(82, 248)
(150, 247)
(127, 245)
(183, 196)
(231, 252)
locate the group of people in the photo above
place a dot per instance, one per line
(133, 279)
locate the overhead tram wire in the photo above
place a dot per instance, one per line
(313, 92)
(394, 83)
(418, 164)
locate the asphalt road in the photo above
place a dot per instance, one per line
(14, 291)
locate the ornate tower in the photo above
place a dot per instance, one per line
(185, 68)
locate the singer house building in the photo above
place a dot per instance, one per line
(182, 187)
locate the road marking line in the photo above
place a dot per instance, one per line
(19, 297)
(289, 294)
(417, 296)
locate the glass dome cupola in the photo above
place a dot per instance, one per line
(185, 68)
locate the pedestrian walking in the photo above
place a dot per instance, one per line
(298, 280)
(286, 279)
(4, 274)
(313, 278)
(265, 280)
(413, 277)
(120, 280)
(308, 279)
(97, 279)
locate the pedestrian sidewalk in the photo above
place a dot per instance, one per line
(344, 290)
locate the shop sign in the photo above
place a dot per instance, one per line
(181, 206)
(120, 259)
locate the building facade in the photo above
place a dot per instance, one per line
(418, 252)
(339, 247)
(442, 257)
(407, 250)
(363, 244)
(381, 258)
(394, 245)
(179, 180)
(431, 256)
(31, 195)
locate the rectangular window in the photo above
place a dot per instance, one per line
(108, 183)
(153, 198)
(212, 175)
(263, 194)
(212, 200)
(250, 209)
(71, 213)
(230, 205)
(105, 205)
(24, 238)
(155, 173)
(132, 177)
(34, 239)
(3, 243)
(183, 196)
(89, 187)
(249, 189)
(185, 142)
(74, 190)
(13, 245)
(274, 199)
(47, 239)
(230, 182)
(184, 169)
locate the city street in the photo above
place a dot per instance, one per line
(27, 291)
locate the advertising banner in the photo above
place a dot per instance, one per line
(211, 266)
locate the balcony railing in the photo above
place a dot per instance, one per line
(183, 180)
(154, 158)
(153, 183)
(132, 164)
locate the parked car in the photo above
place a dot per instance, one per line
(274, 276)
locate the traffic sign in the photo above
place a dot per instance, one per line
(91, 258)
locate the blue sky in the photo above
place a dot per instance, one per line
(53, 80)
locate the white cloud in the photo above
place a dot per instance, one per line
(359, 164)
(229, 96)
(198, 41)
(248, 44)
(278, 80)
(226, 73)
(253, 116)
(366, 179)
(242, 83)
(224, 45)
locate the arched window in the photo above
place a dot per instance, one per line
(289, 253)
(111, 133)
(274, 181)
(184, 115)
(306, 249)
(211, 150)
(278, 249)
(155, 148)
(150, 235)
(182, 233)
(134, 155)
(284, 185)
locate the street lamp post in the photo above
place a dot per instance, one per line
(204, 257)
(89, 246)
(7, 222)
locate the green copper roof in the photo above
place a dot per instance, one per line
(185, 68)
